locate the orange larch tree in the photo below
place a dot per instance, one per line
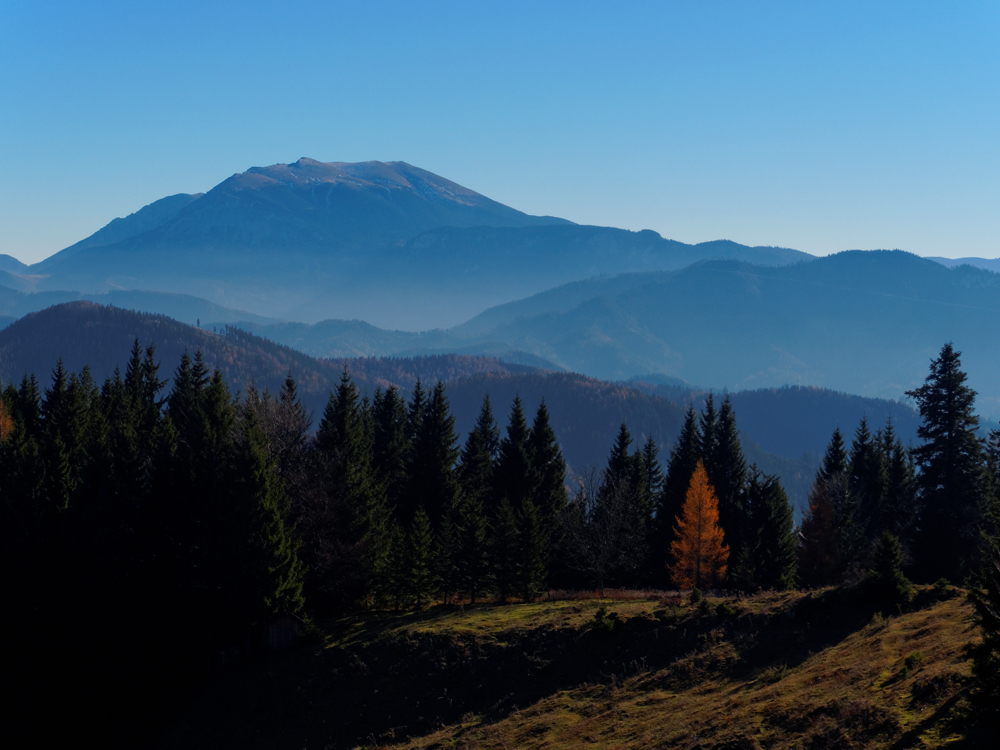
(6, 423)
(698, 550)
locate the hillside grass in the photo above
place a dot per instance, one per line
(783, 670)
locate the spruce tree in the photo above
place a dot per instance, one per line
(709, 430)
(532, 552)
(504, 550)
(512, 478)
(727, 471)
(886, 583)
(819, 559)
(475, 474)
(446, 554)
(420, 563)
(548, 468)
(954, 489)
(392, 447)
(835, 458)
(654, 472)
(360, 520)
(684, 457)
(432, 480)
(487, 427)
(264, 555)
(772, 542)
(898, 512)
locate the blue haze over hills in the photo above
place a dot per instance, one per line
(370, 254)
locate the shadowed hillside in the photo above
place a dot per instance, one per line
(782, 671)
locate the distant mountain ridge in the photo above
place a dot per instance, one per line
(388, 242)
(988, 264)
(858, 322)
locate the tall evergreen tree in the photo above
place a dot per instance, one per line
(548, 468)
(263, 556)
(487, 427)
(532, 552)
(421, 564)
(513, 476)
(727, 472)
(953, 484)
(433, 484)
(684, 457)
(392, 447)
(709, 430)
(504, 550)
(769, 558)
(819, 556)
(475, 476)
(835, 458)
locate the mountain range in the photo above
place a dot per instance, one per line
(392, 260)
(385, 242)
(859, 322)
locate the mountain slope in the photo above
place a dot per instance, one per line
(988, 264)
(388, 243)
(147, 218)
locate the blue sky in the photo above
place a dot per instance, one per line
(818, 126)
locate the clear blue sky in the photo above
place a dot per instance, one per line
(818, 126)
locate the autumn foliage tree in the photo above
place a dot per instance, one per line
(699, 552)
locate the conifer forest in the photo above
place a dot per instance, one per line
(150, 535)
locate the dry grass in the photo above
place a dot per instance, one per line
(861, 692)
(776, 670)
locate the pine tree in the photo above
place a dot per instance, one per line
(512, 478)
(265, 554)
(548, 468)
(819, 558)
(421, 564)
(392, 447)
(727, 472)
(446, 554)
(886, 583)
(475, 474)
(532, 552)
(359, 521)
(504, 550)
(487, 427)
(771, 543)
(684, 457)
(699, 554)
(654, 472)
(709, 431)
(432, 480)
(835, 458)
(898, 512)
(953, 485)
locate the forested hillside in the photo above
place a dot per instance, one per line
(784, 431)
(211, 527)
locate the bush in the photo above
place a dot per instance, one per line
(911, 661)
(604, 621)
(724, 610)
(696, 595)
(705, 608)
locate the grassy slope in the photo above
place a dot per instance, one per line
(788, 670)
